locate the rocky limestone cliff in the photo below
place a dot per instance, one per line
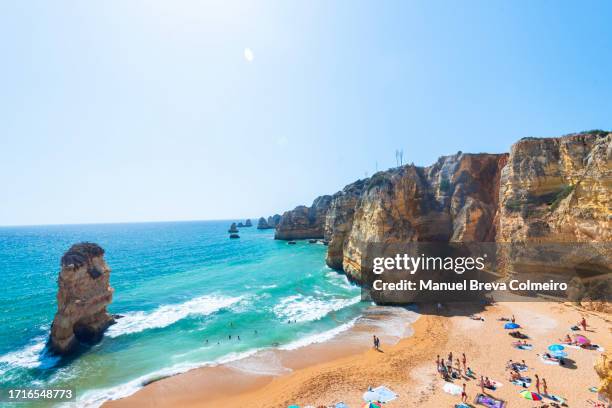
(453, 200)
(603, 368)
(304, 222)
(558, 190)
(545, 190)
(270, 223)
(262, 223)
(274, 220)
(339, 221)
(83, 295)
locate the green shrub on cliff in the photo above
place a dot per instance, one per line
(561, 195)
(444, 185)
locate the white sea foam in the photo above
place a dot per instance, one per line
(264, 362)
(318, 337)
(308, 308)
(134, 322)
(30, 356)
(339, 279)
(95, 398)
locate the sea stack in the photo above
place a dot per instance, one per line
(233, 228)
(84, 293)
(262, 224)
(248, 223)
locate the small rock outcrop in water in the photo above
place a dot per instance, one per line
(270, 223)
(234, 236)
(233, 228)
(262, 223)
(248, 223)
(240, 225)
(83, 295)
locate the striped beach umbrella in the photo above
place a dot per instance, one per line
(531, 395)
(372, 405)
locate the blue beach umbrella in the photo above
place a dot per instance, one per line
(556, 347)
(559, 353)
(511, 326)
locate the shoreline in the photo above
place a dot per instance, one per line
(341, 373)
(261, 366)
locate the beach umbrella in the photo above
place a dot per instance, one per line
(555, 347)
(384, 394)
(581, 339)
(511, 326)
(341, 405)
(380, 394)
(531, 395)
(372, 405)
(370, 396)
(559, 353)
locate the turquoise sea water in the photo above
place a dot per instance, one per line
(177, 285)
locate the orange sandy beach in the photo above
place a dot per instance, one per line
(327, 373)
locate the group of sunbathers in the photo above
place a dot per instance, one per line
(447, 371)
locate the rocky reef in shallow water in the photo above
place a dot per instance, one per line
(545, 190)
(83, 295)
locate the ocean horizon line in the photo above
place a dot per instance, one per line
(76, 224)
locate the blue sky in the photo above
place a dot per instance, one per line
(116, 111)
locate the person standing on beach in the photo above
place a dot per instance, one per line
(458, 365)
(463, 394)
(537, 383)
(482, 385)
(464, 361)
(374, 340)
(544, 386)
(583, 323)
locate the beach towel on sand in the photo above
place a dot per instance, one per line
(554, 398)
(489, 402)
(452, 389)
(522, 383)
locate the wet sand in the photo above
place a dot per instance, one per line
(342, 369)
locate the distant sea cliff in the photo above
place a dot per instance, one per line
(545, 190)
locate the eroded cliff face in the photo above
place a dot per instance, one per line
(545, 190)
(304, 222)
(558, 190)
(83, 295)
(453, 200)
(339, 221)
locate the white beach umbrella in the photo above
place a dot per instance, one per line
(380, 394)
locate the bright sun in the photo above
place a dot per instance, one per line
(248, 55)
